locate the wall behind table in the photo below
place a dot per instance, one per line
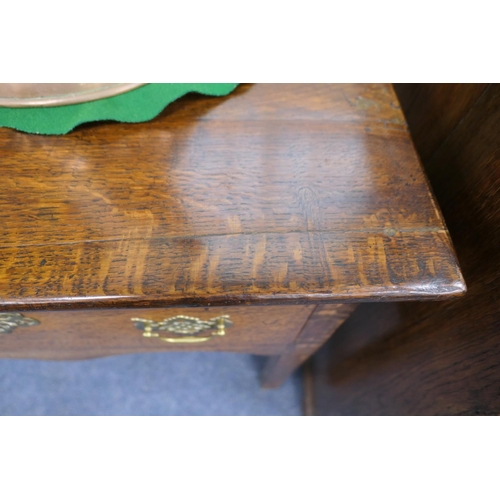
(440, 358)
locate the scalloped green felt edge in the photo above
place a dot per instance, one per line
(138, 105)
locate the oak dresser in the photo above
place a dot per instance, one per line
(250, 223)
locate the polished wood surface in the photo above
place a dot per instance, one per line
(264, 330)
(438, 358)
(274, 194)
(284, 196)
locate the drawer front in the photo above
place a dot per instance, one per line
(264, 330)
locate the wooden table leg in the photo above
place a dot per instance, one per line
(322, 324)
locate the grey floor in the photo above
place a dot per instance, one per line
(145, 384)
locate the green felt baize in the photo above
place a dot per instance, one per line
(138, 105)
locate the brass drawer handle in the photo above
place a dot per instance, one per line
(10, 321)
(187, 326)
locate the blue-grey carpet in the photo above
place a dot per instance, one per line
(145, 384)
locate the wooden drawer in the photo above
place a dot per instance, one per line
(264, 330)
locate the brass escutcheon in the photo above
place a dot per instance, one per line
(187, 327)
(10, 321)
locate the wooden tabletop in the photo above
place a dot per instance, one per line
(274, 194)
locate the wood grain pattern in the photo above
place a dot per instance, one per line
(265, 330)
(274, 194)
(437, 358)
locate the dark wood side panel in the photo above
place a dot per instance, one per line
(434, 358)
(433, 111)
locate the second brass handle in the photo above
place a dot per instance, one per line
(186, 326)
